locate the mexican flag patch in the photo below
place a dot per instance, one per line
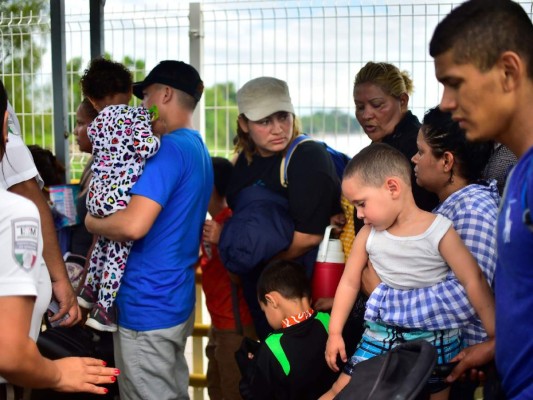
(25, 241)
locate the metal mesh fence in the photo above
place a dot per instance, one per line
(317, 47)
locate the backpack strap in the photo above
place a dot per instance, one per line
(273, 341)
(285, 161)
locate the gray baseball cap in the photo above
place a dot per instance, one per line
(262, 97)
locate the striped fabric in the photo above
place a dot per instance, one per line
(380, 338)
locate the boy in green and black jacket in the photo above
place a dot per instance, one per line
(290, 363)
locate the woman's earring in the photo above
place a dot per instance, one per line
(451, 177)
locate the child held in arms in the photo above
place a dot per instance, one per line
(122, 141)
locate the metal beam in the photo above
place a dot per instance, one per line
(96, 23)
(196, 51)
(59, 82)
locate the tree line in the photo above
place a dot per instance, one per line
(22, 57)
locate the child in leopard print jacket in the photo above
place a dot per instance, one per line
(122, 141)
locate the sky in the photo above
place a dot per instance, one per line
(317, 46)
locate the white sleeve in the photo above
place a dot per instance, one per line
(21, 244)
(23, 272)
(17, 164)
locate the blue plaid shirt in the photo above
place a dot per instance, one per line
(473, 211)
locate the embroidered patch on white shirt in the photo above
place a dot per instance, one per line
(25, 241)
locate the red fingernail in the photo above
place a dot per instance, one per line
(117, 371)
(104, 363)
(113, 379)
(105, 391)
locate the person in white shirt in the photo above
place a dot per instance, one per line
(25, 291)
(19, 175)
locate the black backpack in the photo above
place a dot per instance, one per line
(400, 374)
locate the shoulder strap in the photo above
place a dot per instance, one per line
(273, 341)
(274, 344)
(285, 161)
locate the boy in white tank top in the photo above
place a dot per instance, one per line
(409, 248)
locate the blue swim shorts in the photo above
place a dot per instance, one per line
(379, 338)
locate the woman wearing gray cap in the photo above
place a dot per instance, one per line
(266, 128)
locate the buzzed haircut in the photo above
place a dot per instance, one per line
(104, 78)
(286, 277)
(479, 31)
(222, 169)
(376, 162)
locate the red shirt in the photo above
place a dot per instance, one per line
(217, 285)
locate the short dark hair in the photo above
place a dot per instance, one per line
(105, 77)
(378, 161)
(479, 31)
(49, 167)
(286, 277)
(222, 169)
(443, 134)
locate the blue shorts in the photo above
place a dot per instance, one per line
(379, 338)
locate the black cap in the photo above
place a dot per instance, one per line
(176, 74)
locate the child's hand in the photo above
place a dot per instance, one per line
(334, 346)
(212, 231)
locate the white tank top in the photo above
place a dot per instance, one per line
(409, 262)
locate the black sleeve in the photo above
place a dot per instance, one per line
(314, 188)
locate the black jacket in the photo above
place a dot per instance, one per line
(309, 377)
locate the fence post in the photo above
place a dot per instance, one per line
(196, 48)
(97, 28)
(59, 83)
(196, 52)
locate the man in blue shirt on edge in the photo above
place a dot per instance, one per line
(164, 217)
(483, 56)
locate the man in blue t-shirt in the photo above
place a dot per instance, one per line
(483, 57)
(165, 216)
